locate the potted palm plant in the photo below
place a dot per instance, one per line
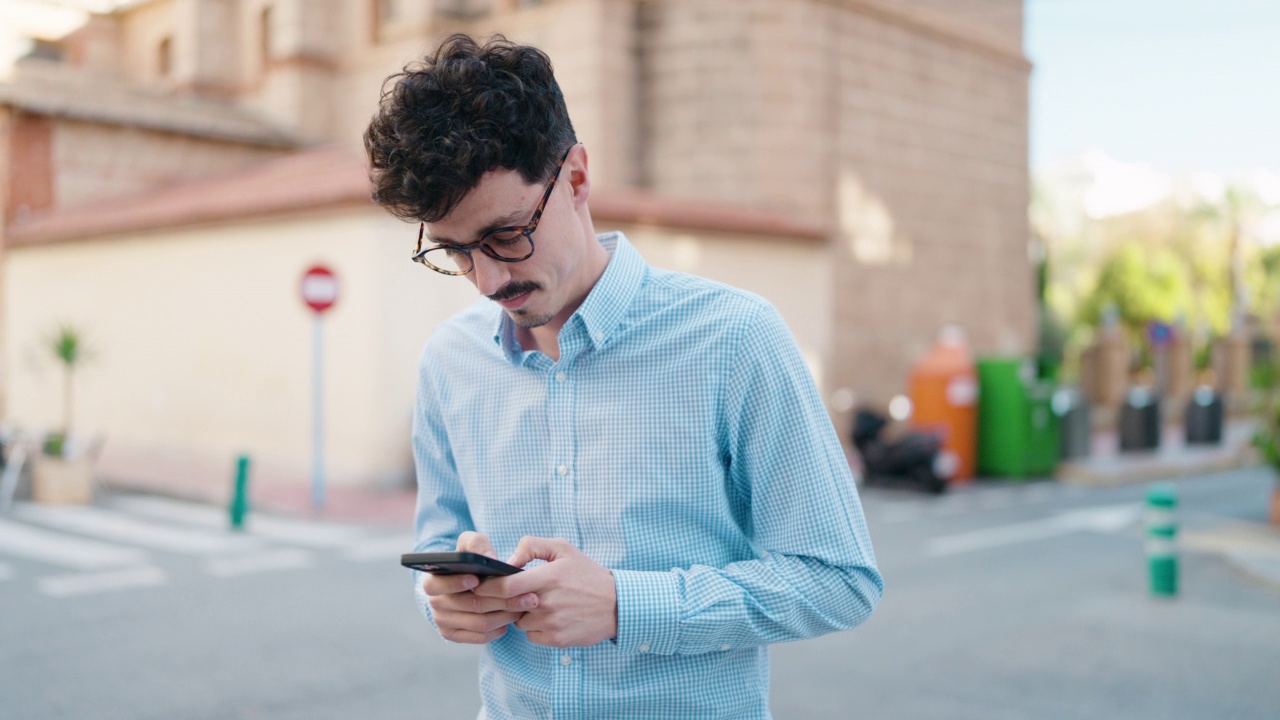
(63, 471)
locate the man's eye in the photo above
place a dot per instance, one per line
(505, 237)
(453, 250)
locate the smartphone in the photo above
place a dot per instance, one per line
(457, 563)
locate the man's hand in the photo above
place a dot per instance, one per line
(462, 615)
(577, 602)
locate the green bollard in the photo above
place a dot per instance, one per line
(240, 497)
(1162, 532)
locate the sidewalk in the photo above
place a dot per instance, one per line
(364, 506)
(1106, 465)
(1251, 548)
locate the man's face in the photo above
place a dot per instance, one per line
(550, 284)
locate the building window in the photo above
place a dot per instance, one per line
(385, 11)
(164, 57)
(45, 50)
(264, 35)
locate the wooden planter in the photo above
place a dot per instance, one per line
(55, 480)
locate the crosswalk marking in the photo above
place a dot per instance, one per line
(111, 546)
(279, 560)
(110, 525)
(59, 549)
(289, 531)
(88, 583)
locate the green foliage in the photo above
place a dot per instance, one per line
(68, 346)
(1263, 275)
(1267, 436)
(1143, 284)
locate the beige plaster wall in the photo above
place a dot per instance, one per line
(201, 347)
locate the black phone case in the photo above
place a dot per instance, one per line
(457, 563)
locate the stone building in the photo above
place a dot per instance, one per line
(168, 170)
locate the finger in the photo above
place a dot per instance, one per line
(471, 541)
(474, 622)
(472, 638)
(535, 548)
(472, 603)
(435, 585)
(510, 587)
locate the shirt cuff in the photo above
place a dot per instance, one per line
(648, 611)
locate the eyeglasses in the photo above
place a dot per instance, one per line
(508, 244)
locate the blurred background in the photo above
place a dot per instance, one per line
(1016, 240)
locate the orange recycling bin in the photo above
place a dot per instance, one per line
(943, 389)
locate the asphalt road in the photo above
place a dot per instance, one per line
(1002, 601)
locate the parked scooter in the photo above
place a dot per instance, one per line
(915, 458)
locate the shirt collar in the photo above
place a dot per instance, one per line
(602, 311)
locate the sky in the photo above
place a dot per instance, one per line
(1180, 85)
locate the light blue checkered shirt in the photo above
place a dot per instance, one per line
(680, 442)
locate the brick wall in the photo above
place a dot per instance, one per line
(95, 160)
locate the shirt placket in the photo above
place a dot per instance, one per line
(561, 390)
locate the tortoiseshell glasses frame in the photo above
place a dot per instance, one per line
(506, 244)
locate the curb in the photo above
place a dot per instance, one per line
(1145, 467)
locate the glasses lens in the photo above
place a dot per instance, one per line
(509, 244)
(448, 260)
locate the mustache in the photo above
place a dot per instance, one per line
(514, 289)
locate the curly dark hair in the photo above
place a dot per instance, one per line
(446, 120)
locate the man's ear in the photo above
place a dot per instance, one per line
(579, 175)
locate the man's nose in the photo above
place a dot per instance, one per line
(488, 274)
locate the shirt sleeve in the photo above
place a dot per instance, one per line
(441, 515)
(815, 571)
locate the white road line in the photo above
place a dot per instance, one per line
(289, 531)
(279, 560)
(111, 525)
(6, 572)
(387, 549)
(89, 583)
(1100, 519)
(59, 549)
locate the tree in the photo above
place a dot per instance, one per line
(1143, 283)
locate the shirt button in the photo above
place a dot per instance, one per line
(599, 337)
(561, 377)
(562, 470)
(644, 647)
(724, 647)
(565, 659)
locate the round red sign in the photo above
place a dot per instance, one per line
(319, 288)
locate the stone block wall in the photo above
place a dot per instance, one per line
(932, 190)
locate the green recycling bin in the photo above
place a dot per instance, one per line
(1017, 428)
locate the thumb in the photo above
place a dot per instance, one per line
(471, 541)
(536, 548)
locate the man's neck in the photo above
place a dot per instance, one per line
(546, 338)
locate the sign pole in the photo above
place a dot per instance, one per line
(319, 292)
(317, 413)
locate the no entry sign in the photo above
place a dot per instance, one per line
(319, 288)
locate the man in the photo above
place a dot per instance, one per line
(648, 445)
